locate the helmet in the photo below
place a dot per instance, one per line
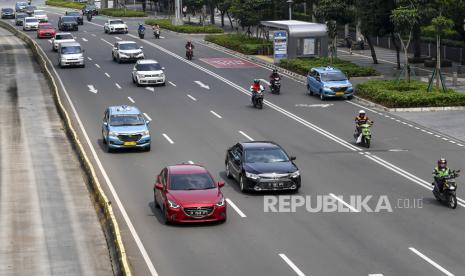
(361, 113)
(140, 24)
(442, 163)
(256, 81)
(275, 71)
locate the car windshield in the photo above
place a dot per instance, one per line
(21, 4)
(128, 46)
(197, 181)
(68, 19)
(127, 120)
(148, 67)
(31, 8)
(90, 7)
(31, 20)
(64, 36)
(73, 14)
(71, 50)
(45, 27)
(39, 12)
(20, 15)
(265, 156)
(116, 22)
(333, 76)
(7, 10)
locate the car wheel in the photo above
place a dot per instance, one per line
(165, 216)
(83, 66)
(350, 97)
(103, 139)
(228, 171)
(133, 80)
(242, 185)
(109, 149)
(163, 84)
(309, 90)
(113, 56)
(147, 148)
(155, 202)
(138, 83)
(322, 96)
(118, 59)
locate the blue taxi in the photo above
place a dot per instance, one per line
(329, 82)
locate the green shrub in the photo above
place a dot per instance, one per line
(122, 13)
(66, 4)
(391, 94)
(241, 43)
(188, 28)
(303, 65)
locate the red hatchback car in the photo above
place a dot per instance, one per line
(46, 30)
(188, 193)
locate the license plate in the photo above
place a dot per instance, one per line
(338, 94)
(130, 143)
(200, 213)
(277, 185)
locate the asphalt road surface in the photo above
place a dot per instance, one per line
(407, 241)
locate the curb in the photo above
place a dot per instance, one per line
(108, 223)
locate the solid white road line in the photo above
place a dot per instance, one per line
(291, 264)
(94, 35)
(96, 65)
(108, 75)
(245, 135)
(131, 100)
(235, 208)
(344, 203)
(84, 39)
(172, 83)
(147, 116)
(89, 58)
(118, 38)
(214, 113)
(117, 85)
(113, 192)
(168, 138)
(106, 41)
(376, 274)
(192, 98)
(433, 263)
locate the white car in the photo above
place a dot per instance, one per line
(148, 71)
(40, 15)
(60, 38)
(126, 51)
(30, 23)
(115, 26)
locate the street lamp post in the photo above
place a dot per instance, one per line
(290, 8)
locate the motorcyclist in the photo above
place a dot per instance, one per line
(155, 28)
(274, 75)
(360, 120)
(141, 28)
(255, 88)
(189, 47)
(439, 172)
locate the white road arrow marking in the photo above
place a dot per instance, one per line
(92, 88)
(201, 84)
(150, 89)
(313, 105)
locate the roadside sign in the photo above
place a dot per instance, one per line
(279, 45)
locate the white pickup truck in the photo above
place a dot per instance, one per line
(115, 26)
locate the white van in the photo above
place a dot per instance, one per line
(70, 54)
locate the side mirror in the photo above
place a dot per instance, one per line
(158, 186)
(220, 184)
(163, 68)
(114, 48)
(74, 37)
(147, 121)
(292, 158)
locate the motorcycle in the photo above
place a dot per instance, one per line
(364, 137)
(257, 101)
(448, 195)
(275, 85)
(89, 16)
(189, 53)
(141, 33)
(156, 33)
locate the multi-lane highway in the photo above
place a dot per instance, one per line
(203, 110)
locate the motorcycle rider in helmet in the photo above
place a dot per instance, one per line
(360, 120)
(439, 172)
(273, 75)
(141, 28)
(255, 88)
(190, 45)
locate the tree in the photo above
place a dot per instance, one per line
(404, 19)
(223, 6)
(250, 12)
(335, 12)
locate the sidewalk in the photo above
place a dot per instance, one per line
(48, 223)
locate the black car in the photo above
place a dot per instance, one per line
(90, 8)
(30, 10)
(8, 13)
(262, 166)
(77, 15)
(67, 23)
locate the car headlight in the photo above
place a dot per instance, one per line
(173, 204)
(451, 187)
(145, 132)
(112, 133)
(295, 174)
(221, 202)
(252, 175)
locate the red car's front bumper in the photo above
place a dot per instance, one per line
(179, 215)
(46, 34)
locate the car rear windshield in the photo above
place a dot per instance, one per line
(21, 4)
(22, 15)
(73, 14)
(128, 46)
(44, 27)
(90, 7)
(127, 120)
(64, 36)
(265, 155)
(39, 12)
(69, 19)
(148, 67)
(333, 76)
(29, 20)
(198, 181)
(116, 22)
(71, 50)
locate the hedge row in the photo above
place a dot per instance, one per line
(66, 4)
(187, 28)
(240, 43)
(303, 65)
(402, 94)
(122, 13)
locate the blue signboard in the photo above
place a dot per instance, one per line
(279, 45)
